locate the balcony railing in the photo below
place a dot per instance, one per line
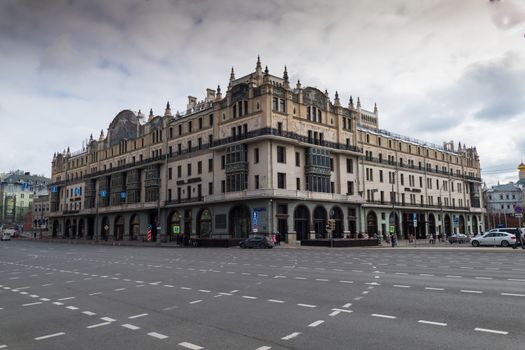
(419, 205)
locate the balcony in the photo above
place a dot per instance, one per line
(284, 194)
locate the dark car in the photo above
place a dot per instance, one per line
(256, 242)
(458, 238)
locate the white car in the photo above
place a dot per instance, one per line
(494, 238)
(6, 236)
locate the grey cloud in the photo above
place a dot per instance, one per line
(507, 14)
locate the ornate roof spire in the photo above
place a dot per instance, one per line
(266, 71)
(336, 99)
(358, 102)
(232, 75)
(167, 112)
(298, 84)
(151, 112)
(218, 95)
(351, 102)
(258, 67)
(285, 74)
(375, 108)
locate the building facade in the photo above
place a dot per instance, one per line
(265, 157)
(17, 191)
(40, 217)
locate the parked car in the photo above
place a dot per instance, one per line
(494, 238)
(458, 238)
(256, 242)
(6, 236)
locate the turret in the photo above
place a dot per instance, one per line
(167, 112)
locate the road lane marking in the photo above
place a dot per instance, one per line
(130, 326)
(346, 281)
(434, 288)
(47, 284)
(401, 286)
(321, 279)
(264, 348)
(248, 297)
(516, 279)
(204, 291)
(483, 278)
(471, 291)
(432, 323)
(316, 323)
(307, 305)
(453, 276)
(98, 325)
(30, 304)
(300, 278)
(276, 301)
(58, 303)
(195, 302)
(119, 289)
(96, 293)
(347, 305)
(383, 316)
(157, 335)
(107, 319)
(72, 307)
(291, 335)
(50, 336)
(513, 295)
(137, 316)
(45, 299)
(89, 313)
(196, 347)
(185, 288)
(68, 298)
(490, 331)
(168, 285)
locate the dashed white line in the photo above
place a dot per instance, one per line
(68, 298)
(513, 295)
(383, 316)
(137, 316)
(72, 307)
(98, 325)
(107, 319)
(248, 297)
(453, 276)
(96, 293)
(516, 279)
(276, 301)
(316, 323)
(130, 326)
(432, 323)
(346, 281)
(50, 336)
(264, 348)
(490, 331)
(471, 291)
(434, 288)
(192, 346)
(157, 335)
(89, 313)
(291, 336)
(204, 291)
(195, 302)
(401, 286)
(307, 305)
(31, 304)
(119, 289)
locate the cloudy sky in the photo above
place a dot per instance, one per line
(439, 70)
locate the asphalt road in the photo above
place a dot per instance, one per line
(61, 296)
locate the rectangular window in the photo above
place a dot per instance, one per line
(200, 123)
(298, 183)
(256, 155)
(281, 180)
(169, 173)
(349, 165)
(332, 187)
(281, 155)
(210, 188)
(256, 182)
(179, 148)
(297, 159)
(199, 167)
(179, 171)
(331, 164)
(189, 145)
(275, 104)
(169, 194)
(189, 169)
(189, 126)
(210, 165)
(223, 160)
(223, 186)
(188, 190)
(350, 187)
(380, 175)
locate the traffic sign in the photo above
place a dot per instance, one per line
(518, 209)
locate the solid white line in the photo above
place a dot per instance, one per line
(66, 298)
(433, 288)
(433, 323)
(130, 326)
(516, 279)
(50, 336)
(513, 295)
(471, 291)
(137, 316)
(490, 331)
(290, 336)
(195, 302)
(316, 323)
(157, 335)
(384, 316)
(108, 319)
(346, 281)
(89, 313)
(276, 301)
(401, 286)
(307, 305)
(38, 302)
(192, 346)
(98, 325)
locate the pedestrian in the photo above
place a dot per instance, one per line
(274, 240)
(519, 239)
(278, 239)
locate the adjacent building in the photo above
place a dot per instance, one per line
(264, 157)
(17, 191)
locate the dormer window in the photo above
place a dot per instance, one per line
(314, 114)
